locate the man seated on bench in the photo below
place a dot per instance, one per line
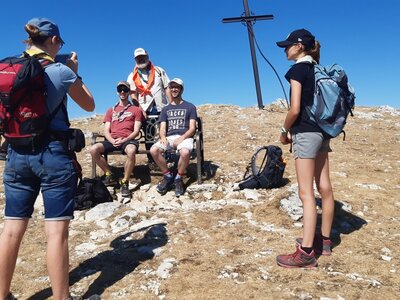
(177, 127)
(122, 125)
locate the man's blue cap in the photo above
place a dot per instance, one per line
(46, 27)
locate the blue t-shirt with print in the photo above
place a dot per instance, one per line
(178, 117)
(58, 79)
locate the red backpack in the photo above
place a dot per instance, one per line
(24, 119)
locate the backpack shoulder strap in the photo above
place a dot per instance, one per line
(29, 72)
(255, 160)
(158, 71)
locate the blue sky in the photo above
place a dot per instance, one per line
(188, 39)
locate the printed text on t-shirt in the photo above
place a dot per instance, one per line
(176, 119)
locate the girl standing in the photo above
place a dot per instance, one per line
(311, 149)
(49, 167)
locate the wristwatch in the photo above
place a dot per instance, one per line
(284, 131)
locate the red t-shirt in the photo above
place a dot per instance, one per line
(122, 119)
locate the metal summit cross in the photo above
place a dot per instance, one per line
(249, 20)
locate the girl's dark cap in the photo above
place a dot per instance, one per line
(302, 36)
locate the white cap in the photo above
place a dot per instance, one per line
(177, 80)
(140, 51)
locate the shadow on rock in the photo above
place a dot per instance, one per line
(208, 171)
(143, 173)
(344, 222)
(116, 263)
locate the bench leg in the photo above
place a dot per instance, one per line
(199, 159)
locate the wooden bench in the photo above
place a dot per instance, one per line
(149, 135)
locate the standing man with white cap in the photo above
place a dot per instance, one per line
(177, 127)
(149, 87)
(149, 84)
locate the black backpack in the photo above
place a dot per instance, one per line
(265, 169)
(90, 192)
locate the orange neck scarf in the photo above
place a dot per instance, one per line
(138, 82)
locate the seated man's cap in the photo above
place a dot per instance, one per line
(140, 51)
(178, 81)
(302, 36)
(124, 83)
(46, 27)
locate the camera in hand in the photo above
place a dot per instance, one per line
(62, 58)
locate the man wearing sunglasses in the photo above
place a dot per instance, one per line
(122, 125)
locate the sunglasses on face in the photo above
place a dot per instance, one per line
(141, 58)
(124, 89)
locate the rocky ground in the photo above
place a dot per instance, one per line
(219, 243)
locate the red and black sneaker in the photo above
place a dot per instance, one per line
(298, 259)
(320, 246)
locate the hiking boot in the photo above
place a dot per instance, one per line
(109, 180)
(320, 246)
(125, 192)
(165, 184)
(179, 190)
(298, 259)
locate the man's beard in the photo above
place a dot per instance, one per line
(143, 65)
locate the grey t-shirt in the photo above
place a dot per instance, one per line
(178, 117)
(58, 79)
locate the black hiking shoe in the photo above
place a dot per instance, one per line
(125, 192)
(165, 184)
(179, 189)
(109, 180)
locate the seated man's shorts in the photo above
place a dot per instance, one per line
(187, 143)
(108, 147)
(50, 170)
(309, 144)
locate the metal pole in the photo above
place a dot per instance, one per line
(253, 55)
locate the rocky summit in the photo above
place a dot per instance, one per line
(218, 242)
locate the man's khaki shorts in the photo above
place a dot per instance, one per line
(187, 143)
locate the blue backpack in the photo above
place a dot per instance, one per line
(333, 99)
